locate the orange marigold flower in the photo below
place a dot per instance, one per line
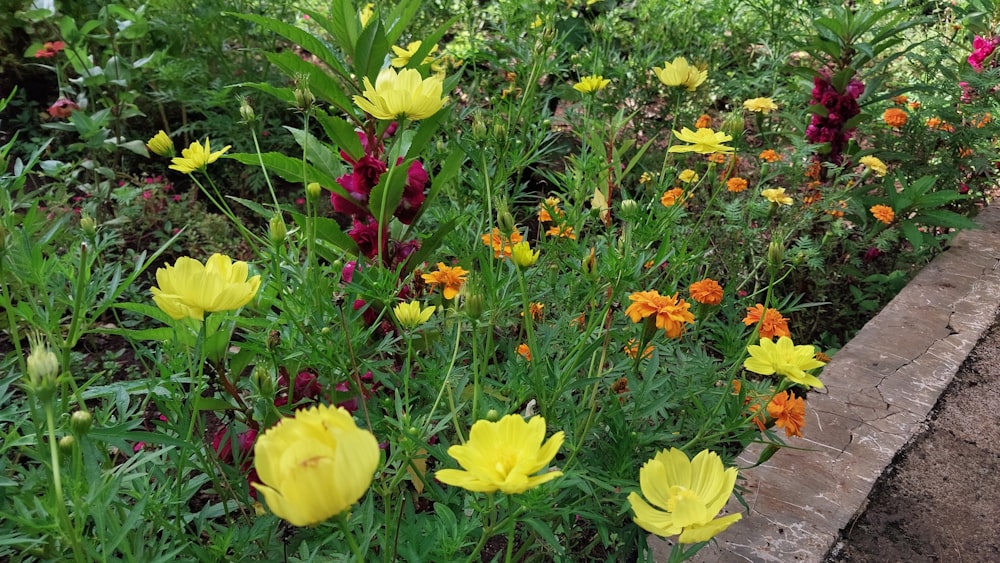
(940, 125)
(736, 185)
(535, 310)
(704, 120)
(914, 105)
(773, 323)
(788, 412)
(670, 312)
(524, 351)
(983, 121)
(900, 100)
(580, 322)
(671, 197)
(451, 278)
(770, 155)
(632, 349)
(502, 245)
(811, 196)
(883, 213)
(837, 209)
(706, 292)
(717, 158)
(549, 209)
(813, 171)
(894, 117)
(964, 152)
(561, 231)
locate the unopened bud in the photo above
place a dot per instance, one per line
(775, 254)
(313, 189)
(43, 369)
(523, 256)
(630, 209)
(89, 226)
(733, 125)
(277, 229)
(262, 379)
(273, 340)
(80, 422)
(589, 263)
(474, 305)
(492, 415)
(304, 97)
(246, 110)
(478, 127)
(504, 219)
(66, 443)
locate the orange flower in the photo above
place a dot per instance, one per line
(535, 310)
(704, 120)
(770, 155)
(983, 121)
(671, 197)
(524, 351)
(914, 105)
(964, 152)
(706, 292)
(883, 213)
(448, 277)
(548, 209)
(502, 246)
(561, 231)
(814, 169)
(632, 349)
(900, 100)
(773, 324)
(736, 185)
(670, 313)
(717, 158)
(837, 210)
(580, 322)
(894, 117)
(940, 125)
(788, 412)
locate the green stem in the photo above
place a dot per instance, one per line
(351, 542)
(446, 385)
(57, 483)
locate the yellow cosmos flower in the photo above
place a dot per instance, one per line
(403, 56)
(777, 196)
(537, 23)
(702, 141)
(689, 494)
(366, 13)
(315, 465)
(411, 315)
(196, 157)
(191, 289)
(523, 256)
(504, 456)
(874, 164)
(405, 94)
(592, 83)
(161, 144)
(760, 105)
(786, 359)
(680, 73)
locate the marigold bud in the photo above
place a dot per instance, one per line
(262, 379)
(474, 305)
(492, 415)
(504, 219)
(589, 263)
(246, 110)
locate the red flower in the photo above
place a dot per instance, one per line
(63, 108)
(50, 49)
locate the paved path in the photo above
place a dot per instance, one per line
(880, 389)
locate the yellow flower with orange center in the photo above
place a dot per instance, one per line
(449, 277)
(883, 213)
(669, 312)
(771, 322)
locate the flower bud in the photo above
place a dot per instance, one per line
(474, 305)
(89, 226)
(246, 110)
(630, 209)
(733, 125)
(313, 189)
(478, 128)
(273, 340)
(492, 415)
(43, 369)
(589, 263)
(504, 219)
(523, 256)
(277, 229)
(775, 254)
(80, 422)
(304, 98)
(262, 379)
(66, 443)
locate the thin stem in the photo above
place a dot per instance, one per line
(351, 542)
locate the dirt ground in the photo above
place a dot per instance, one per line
(940, 498)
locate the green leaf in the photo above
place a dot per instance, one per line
(912, 234)
(370, 50)
(284, 94)
(945, 218)
(290, 169)
(298, 36)
(328, 230)
(386, 195)
(342, 133)
(322, 85)
(429, 245)
(212, 404)
(323, 157)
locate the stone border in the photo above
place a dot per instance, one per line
(879, 390)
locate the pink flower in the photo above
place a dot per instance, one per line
(63, 108)
(981, 49)
(50, 49)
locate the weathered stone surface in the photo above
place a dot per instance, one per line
(879, 390)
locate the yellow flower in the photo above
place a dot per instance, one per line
(537, 23)
(411, 315)
(403, 56)
(315, 465)
(874, 164)
(366, 13)
(191, 289)
(785, 359)
(687, 176)
(161, 144)
(451, 278)
(504, 456)
(777, 196)
(702, 141)
(760, 105)
(592, 83)
(689, 492)
(523, 256)
(405, 94)
(196, 157)
(680, 73)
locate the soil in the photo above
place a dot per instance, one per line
(939, 499)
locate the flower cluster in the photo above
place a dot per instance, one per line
(982, 48)
(830, 125)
